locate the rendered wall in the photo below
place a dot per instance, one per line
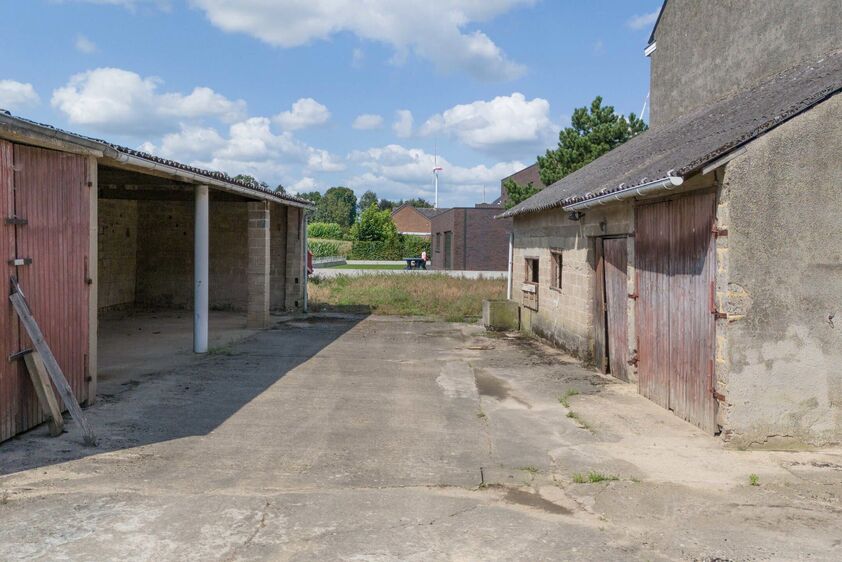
(117, 253)
(706, 50)
(780, 356)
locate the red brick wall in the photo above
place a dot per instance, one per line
(480, 242)
(408, 220)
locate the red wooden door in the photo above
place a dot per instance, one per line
(50, 191)
(674, 249)
(616, 300)
(600, 351)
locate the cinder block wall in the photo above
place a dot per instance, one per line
(565, 317)
(165, 255)
(277, 251)
(117, 253)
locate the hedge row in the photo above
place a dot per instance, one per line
(394, 249)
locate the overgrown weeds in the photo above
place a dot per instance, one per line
(439, 296)
(593, 477)
(563, 399)
(754, 480)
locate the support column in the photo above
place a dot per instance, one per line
(293, 260)
(201, 247)
(258, 268)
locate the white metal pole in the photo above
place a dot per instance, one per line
(201, 247)
(436, 181)
(511, 263)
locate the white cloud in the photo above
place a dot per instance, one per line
(306, 112)
(368, 121)
(251, 147)
(304, 184)
(643, 21)
(85, 45)
(434, 30)
(505, 125)
(406, 172)
(113, 100)
(17, 95)
(403, 123)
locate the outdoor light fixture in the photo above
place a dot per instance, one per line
(575, 215)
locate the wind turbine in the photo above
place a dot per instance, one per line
(436, 170)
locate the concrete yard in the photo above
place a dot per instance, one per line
(381, 438)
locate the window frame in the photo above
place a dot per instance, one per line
(557, 269)
(532, 271)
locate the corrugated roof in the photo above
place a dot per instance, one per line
(219, 176)
(687, 144)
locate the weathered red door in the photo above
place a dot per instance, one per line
(675, 261)
(49, 195)
(616, 305)
(600, 351)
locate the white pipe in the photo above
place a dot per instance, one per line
(304, 260)
(201, 247)
(666, 184)
(511, 265)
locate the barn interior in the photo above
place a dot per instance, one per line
(145, 267)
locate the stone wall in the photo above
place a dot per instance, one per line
(706, 50)
(277, 251)
(117, 253)
(780, 353)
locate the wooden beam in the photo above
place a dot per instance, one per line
(51, 365)
(93, 278)
(44, 390)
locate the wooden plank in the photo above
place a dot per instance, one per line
(52, 367)
(11, 376)
(41, 381)
(600, 351)
(616, 298)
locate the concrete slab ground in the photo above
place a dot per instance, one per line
(373, 438)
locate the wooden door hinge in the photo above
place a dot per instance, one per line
(16, 220)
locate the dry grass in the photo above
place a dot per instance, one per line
(440, 296)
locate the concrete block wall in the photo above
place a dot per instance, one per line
(294, 282)
(258, 265)
(278, 253)
(165, 255)
(117, 253)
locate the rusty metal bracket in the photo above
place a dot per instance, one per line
(20, 261)
(717, 232)
(719, 397)
(19, 355)
(16, 220)
(634, 360)
(719, 315)
(634, 296)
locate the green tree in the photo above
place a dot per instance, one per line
(251, 181)
(418, 202)
(517, 193)
(368, 199)
(314, 197)
(387, 205)
(339, 205)
(281, 189)
(374, 225)
(592, 133)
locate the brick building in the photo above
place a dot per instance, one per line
(469, 238)
(701, 260)
(529, 175)
(414, 220)
(93, 228)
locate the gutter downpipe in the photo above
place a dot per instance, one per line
(511, 263)
(666, 184)
(200, 179)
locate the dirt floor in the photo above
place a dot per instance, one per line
(382, 438)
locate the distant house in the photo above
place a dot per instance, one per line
(702, 259)
(530, 174)
(414, 220)
(468, 238)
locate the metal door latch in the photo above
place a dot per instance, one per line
(14, 219)
(20, 261)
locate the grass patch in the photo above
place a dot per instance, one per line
(563, 399)
(439, 296)
(375, 266)
(582, 423)
(593, 477)
(754, 480)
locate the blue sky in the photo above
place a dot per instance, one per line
(328, 92)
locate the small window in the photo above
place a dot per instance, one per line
(557, 264)
(532, 273)
(438, 242)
